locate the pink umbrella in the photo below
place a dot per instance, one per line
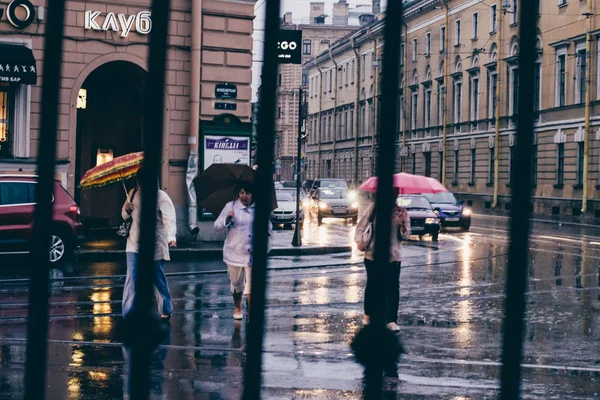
(408, 184)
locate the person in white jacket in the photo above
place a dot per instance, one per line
(237, 218)
(166, 231)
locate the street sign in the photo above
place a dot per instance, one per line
(226, 106)
(226, 91)
(289, 47)
(278, 165)
(404, 152)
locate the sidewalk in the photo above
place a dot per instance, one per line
(110, 247)
(546, 219)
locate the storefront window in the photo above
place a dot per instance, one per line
(6, 119)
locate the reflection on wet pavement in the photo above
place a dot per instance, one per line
(450, 313)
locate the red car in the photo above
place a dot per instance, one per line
(17, 205)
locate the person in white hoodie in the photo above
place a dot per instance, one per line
(166, 230)
(237, 218)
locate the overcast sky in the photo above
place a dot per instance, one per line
(300, 10)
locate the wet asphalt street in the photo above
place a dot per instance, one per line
(451, 312)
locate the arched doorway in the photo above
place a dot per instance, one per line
(109, 124)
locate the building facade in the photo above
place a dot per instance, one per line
(459, 87)
(317, 34)
(105, 61)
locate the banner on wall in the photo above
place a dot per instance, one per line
(226, 150)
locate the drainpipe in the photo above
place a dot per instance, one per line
(588, 98)
(193, 138)
(320, 117)
(446, 78)
(356, 109)
(335, 102)
(498, 93)
(375, 100)
(405, 91)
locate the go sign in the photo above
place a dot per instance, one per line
(20, 20)
(288, 47)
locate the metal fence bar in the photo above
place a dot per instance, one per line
(262, 193)
(146, 323)
(518, 256)
(37, 322)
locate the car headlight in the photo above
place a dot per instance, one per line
(430, 221)
(323, 206)
(354, 206)
(305, 202)
(467, 212)
(352, 195)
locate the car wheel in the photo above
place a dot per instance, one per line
(466, 228)
(59, 248)
(434, 237)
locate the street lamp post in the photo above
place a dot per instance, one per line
(297, 239)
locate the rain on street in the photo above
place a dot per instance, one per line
(451, 312)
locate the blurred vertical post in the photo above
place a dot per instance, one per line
(518, 256)
(37, 322)
(262, 192)
(297, 239)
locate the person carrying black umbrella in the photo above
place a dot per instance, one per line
(237, 219)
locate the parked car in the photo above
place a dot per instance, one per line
(450, 211)
(17, 206)
(285, 213)
(423, 220)
(333, 202)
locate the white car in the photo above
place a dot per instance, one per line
(285, 213)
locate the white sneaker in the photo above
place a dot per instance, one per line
(392, 326)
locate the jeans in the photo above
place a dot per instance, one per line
(161, 289)
(390, 278)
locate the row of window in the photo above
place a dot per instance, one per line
(426, 166)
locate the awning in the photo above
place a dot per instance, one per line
(17, 65)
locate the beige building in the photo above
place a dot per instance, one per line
(105, 61)
(474, 55)
(318, 32)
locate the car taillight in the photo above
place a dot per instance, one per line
(75, 209)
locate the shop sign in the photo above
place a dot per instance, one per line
(288, 47)
(226, 91)
(226, 106)
(16, 20)
(141, 22)
(226, 150)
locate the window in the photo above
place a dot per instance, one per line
(580, 78)
(427, 162)
(455, 172)
(329, 133)
(307, 47)
(514, 90)
(473, 165)
(428, 107)
(457, 28)
(363, 121)
(279, 80)
(442, 38)
(457, 103)
(440, 165)
(475, 25)
(474, 101)
(345, 131)
(402, 53)
(340, 77)
(580, 148)
(353, 74)
(562, 2)
(347, 74)
(414, 164)
(351, 125)
(560, 163)
(13, 193)
(401, 114)
(372, 63)
(363, 71)
(538, 7)
(323, 137)
(415, 49)
(492, 100)
(304, 79)
(428, 43)
(330, 80)
(7, 115)
(492, 166)
(279, 113)
(493, 17)
(514, 16)
(561, 80)
(441, 105)
(414, 110)
(537, 87)
(534, 164)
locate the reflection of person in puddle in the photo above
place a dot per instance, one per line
(157, 367)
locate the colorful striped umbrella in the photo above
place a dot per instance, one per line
(118, 170)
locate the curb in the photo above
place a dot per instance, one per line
(542, 221)
(216, 253)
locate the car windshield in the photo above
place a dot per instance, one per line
(285, 196)
(332, 194)
(441, 198)
(333, 183)
(414, 203)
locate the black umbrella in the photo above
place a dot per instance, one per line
(220, 183)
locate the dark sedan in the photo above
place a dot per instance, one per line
(423, 220)
(334, 203)
(451, 212)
